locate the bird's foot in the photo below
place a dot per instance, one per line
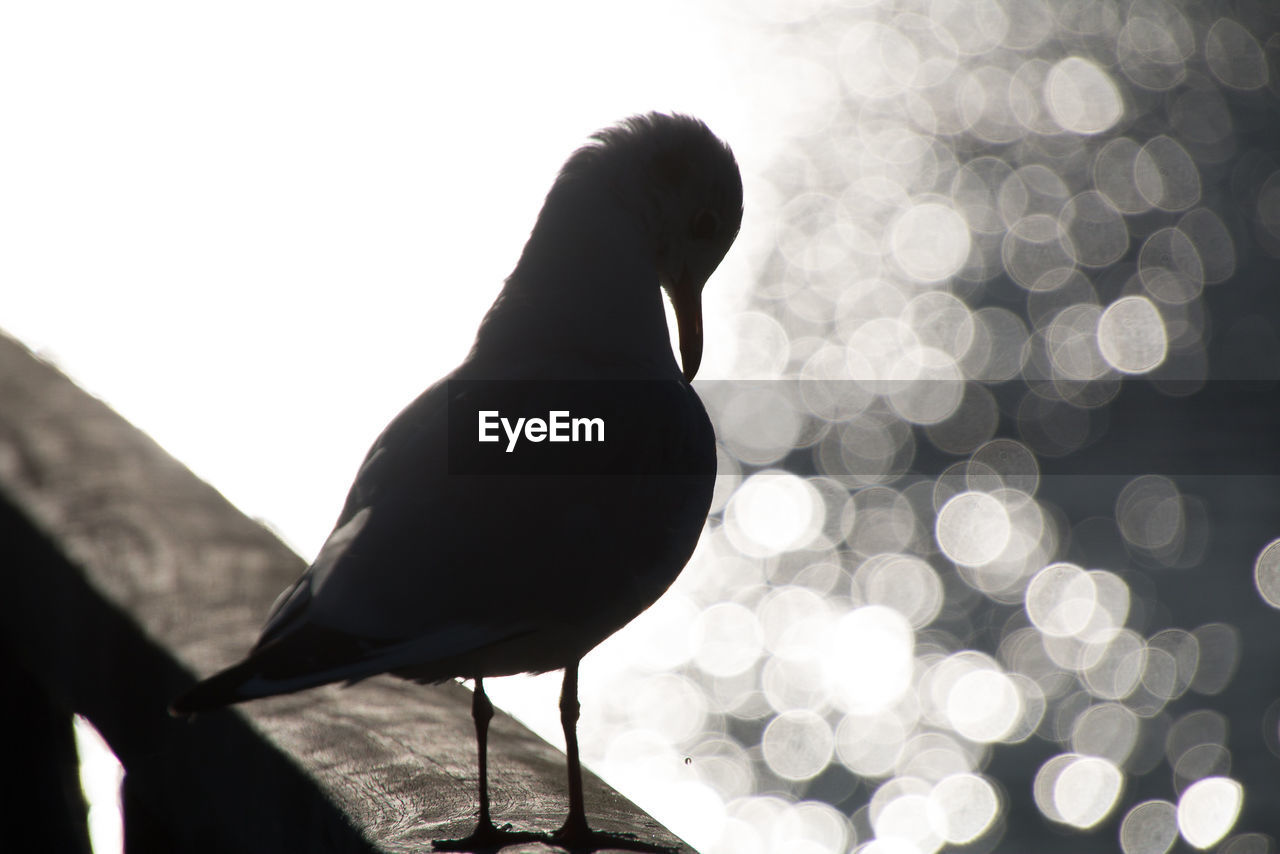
(578, 838)
(488, 837)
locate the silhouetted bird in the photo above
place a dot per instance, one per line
(432, 573)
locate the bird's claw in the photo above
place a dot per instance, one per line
(578, 838)
(487, 837)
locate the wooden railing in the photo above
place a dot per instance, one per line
(126, 577)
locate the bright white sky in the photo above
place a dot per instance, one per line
(259, 229)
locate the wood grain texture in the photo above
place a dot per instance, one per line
(129, 577)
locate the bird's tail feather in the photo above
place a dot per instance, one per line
(306, 658)
(221, 689)
(313, 655)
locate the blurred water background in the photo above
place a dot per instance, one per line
(994, 563)
(995, 554)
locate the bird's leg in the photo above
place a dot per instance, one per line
(569, 711)
(576, 835)
(486, 837)
(482, 713)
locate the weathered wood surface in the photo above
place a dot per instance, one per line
(127, 577)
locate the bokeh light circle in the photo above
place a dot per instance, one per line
(972, 529)
(1150, 827)
(1266, 573)
(1208, 810)
(797, 744)
(1132, 336)
(1082, 98)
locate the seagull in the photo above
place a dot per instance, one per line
(444, 565)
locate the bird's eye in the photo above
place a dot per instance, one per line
(705, 224)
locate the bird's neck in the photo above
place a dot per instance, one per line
(584, 292)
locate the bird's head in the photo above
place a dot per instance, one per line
(683, 185)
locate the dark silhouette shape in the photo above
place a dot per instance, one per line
(431, 574)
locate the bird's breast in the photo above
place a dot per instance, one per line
(526, 530)
(607, 518)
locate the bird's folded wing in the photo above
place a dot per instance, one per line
(426, 564)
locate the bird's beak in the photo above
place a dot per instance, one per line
(686, 299)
